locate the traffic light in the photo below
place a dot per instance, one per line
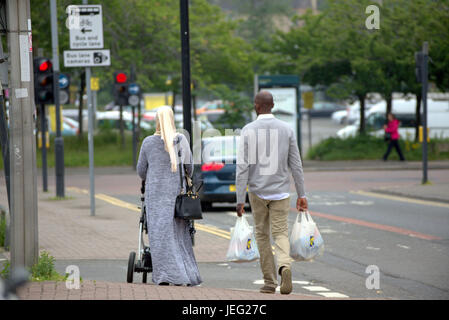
(43, 81)
(64, 86)
(121, 93)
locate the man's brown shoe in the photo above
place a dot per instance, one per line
(286, 281)
(267, 289)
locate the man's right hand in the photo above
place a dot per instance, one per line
(301, 204)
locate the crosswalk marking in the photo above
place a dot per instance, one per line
(315, 288)
(332, 295)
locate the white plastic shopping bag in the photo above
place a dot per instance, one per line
(305, 240)
(242, 246)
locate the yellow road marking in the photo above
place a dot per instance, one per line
(403, 199)
(119, 203)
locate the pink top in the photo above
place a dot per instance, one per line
(392, 128)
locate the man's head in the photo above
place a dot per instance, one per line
(263, 102)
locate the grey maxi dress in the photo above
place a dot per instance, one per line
(169, 238)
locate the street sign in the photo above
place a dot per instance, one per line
(133, 100)
(86, 27)
(133, 89)
(94, 83)
(307, 97)
(87, 58)
(63, 81)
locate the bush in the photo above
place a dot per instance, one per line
(367, 147)
(44, 269)
(5, 269)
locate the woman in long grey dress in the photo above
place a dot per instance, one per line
(169, 237)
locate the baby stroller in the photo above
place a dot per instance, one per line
(143, 261)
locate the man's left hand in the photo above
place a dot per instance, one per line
(240, 209)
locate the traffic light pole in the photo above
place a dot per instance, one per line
(44, 147)
(90, 138)
(185, 61)
(59, 141)
(24, 227)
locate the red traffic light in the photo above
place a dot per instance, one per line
(120, 77)
(45, 65)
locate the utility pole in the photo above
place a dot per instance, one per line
(24, 227)
(59, 141)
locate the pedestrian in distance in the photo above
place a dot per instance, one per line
(392, 136)
(169, 237)
(268, 153)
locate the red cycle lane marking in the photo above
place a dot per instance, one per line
(373, 225)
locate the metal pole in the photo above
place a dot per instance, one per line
(24, 227)
(309, 120)
(134, 137)
(90, 140)
(185, 61)
(59, 141)
(298, 120)
(185, 56)
(424, 118)
(44, 148)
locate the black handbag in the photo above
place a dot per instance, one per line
(188, 203)
(387, 136)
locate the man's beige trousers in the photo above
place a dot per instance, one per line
(272, 213)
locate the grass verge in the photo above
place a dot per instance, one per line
(366, 147)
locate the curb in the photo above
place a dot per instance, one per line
(411, 196)
(374, 167)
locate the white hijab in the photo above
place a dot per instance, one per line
(165, 127)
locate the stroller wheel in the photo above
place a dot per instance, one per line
(131, 261)
(144, 277)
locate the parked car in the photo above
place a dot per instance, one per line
(351, 114)
(218, 170)
(404, 110)
(322, 109)
(112, 119)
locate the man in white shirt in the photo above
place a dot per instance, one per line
(268, 154)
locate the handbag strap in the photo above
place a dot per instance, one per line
(180, 167)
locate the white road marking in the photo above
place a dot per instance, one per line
(332, 295)
(301, 282)
(402, 246)
(223, 264)
(362, 203)
(315, 288)
(327, 230)
(372, 248)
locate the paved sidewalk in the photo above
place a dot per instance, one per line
(96, 290)
(431, 192)
(67, 231)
